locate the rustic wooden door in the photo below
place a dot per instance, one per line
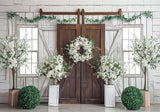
(81, 86)
(69, 87)
(92, 88)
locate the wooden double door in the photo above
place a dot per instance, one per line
(81, 86)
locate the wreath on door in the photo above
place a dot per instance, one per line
(80, 49)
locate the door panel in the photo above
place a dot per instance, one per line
(81, 86)
(69, 87)
(92, 89)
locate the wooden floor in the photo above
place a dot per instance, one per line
(78, 108)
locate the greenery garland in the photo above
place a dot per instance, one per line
(12, 15)
(147, 14)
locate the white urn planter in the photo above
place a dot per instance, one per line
(109, 95)
(53, 95)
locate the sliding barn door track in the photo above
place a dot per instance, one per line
(78, 13)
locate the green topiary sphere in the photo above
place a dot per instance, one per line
(132, 98)
(29, 97)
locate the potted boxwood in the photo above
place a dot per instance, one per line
(13, 54)
(146, 54)
(132, 98)
(26, 99)
(55, 68)
(108, 69)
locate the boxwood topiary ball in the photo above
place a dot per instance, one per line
(29, 97)
(132, 98)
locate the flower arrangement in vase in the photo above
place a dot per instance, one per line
(54, 67)
(108, 68)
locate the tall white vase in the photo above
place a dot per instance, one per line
(109, 95)
(53, 99)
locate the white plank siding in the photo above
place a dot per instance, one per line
(4, 83)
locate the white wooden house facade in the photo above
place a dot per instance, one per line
(46, 38)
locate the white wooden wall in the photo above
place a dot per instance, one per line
(4, 84)
(155, 75)
(49, 30)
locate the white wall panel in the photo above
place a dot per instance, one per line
(6, 2)
(14, 8)
(156, 28)
(77, 2)
(156, 15)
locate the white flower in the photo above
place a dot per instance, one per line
(50, 73)
(146, 52)
(53, 67)
(59, 67)
(12, 62)
(107, 70)
(13, 52)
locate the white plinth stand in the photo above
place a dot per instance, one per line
(109, 95)
(53, 95)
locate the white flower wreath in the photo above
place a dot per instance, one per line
(80, 49)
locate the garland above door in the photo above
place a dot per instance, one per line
(107, 16)
(83, 13)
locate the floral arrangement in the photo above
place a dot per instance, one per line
(146, 53)
(54, 67)
(80, 49)
(108, 68)
(13, 53)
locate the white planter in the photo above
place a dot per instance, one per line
(53, 99)
(109, 95)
